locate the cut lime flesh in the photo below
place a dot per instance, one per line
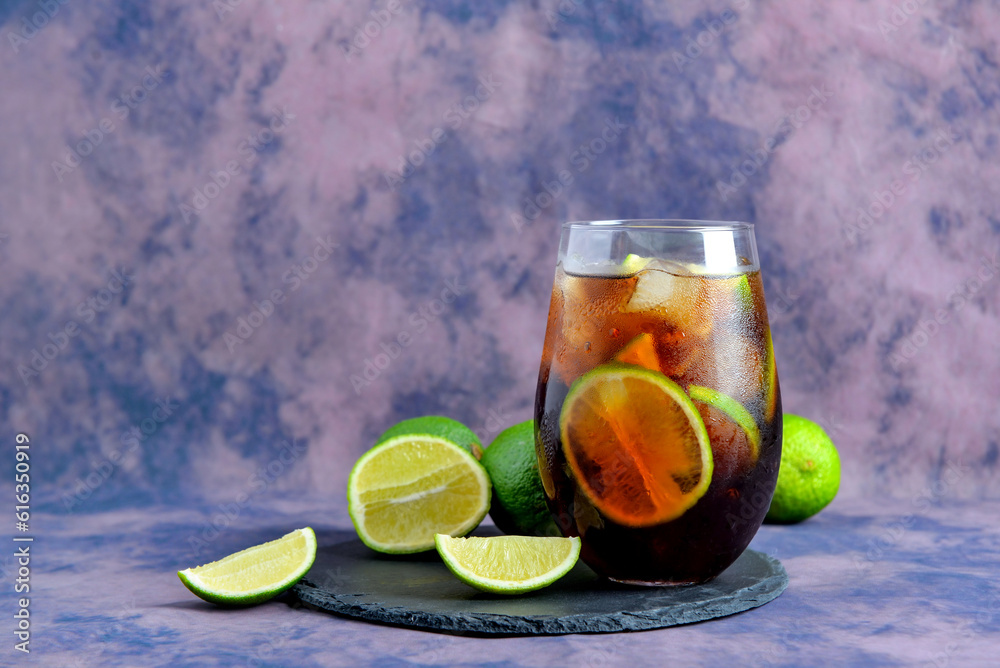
(255, 574)
(508, 564)
(636, 444)
(403, 491)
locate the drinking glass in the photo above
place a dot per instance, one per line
(658, 414)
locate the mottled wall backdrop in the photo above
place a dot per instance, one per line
(241, 237)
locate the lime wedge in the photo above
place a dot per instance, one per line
(734, 410)
(255, 574)
(640, 351)
(635, 444)
(408, 488)
(508, 564)
(633, 264)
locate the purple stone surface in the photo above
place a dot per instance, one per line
(240, 239)
(893, 583)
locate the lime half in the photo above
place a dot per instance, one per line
(508, 564)
(408, 488)
(255, 574)
(436, 425)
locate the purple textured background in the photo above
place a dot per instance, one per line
(885, 325)
(847, 298)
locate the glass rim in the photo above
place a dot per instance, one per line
(679, 224)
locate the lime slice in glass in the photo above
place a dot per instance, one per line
(734, 410)
(635, 444)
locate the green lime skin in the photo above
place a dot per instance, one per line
(518, 504)
(809, 476)
(436, 425)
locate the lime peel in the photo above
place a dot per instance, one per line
(508, 564)
(809, 474)
(256, 574)
(734, 409)
(408, 488)
(518, 505)
(436, 425)
(609, 381)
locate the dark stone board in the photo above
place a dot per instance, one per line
(418, 591)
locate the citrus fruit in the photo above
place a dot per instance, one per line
(255, 574)
(408, 488)
(640, 351)
(740, 294)
(436, 425)
(809, 475)
(771, 378)
(636, 444)
(734, 410)
(518, 505)
(633, 264)
(508, 564)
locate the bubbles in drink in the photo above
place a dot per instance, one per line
(697, 330)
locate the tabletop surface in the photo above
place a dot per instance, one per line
(884, 582)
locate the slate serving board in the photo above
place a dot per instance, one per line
(418, 591)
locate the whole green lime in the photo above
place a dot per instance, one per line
(518, 505)
(436, 425)
(809, 476)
